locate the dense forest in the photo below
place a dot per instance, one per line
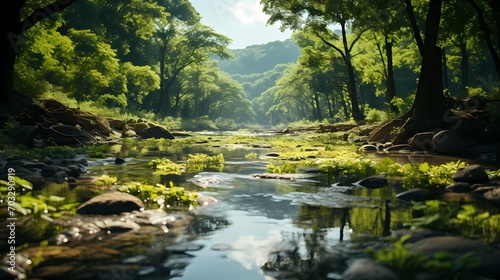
(346, 61)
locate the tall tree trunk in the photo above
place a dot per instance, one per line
(353, 94)
(464, 66)
(445, 69)
(330, 107)
(486, 33)
(391, 85)
(414, 26)
(495, 6)
(318, 107)
(429, 98)
(344, 104)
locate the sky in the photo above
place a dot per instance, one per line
(241, 20)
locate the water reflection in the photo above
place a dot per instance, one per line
(259, 229)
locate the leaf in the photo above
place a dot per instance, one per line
(424, 167)
(23, 183)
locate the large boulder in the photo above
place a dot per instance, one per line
(422, 141)
(156, 132)
(110, 203)
(448, 142)
(471, 174)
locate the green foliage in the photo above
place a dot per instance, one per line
(375, 115)
(466, 221)
(106, 181)
(26, 203)
(407, 263)
(201, 161)
(403, 105)
(163, 196)
(165, 166)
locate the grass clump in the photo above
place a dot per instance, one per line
(164, 166)
(161, 196)
(200, 161)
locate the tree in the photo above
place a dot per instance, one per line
(180, 46)
(18, 19)
(319, 16)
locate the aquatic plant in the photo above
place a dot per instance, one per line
(200, 161)
(287, 167)
(466, 221)
(106, 180)
(164, 196)
(19, 198)
(164, 166)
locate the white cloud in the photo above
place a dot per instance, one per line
(249, 12)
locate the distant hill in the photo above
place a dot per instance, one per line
(260, 58)
(258, 67)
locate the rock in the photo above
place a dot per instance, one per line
(119, 160)
(60, 177)
(481, 190)
(129, 134)
(117, 226)
(400, 147)
(416, 195)
(368, 148)
(272, 154)
(139, 127)
(366, 269)
(489, 257)
(373, 182)
(448, 142)
(117, 124)
(156, 132)
(471, 174)
(460, 187)
(422, 141)
(493, 195)
(110, 203)
(277, 176)
(205, 200)
(50, 171)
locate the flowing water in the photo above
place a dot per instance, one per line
(258, 229)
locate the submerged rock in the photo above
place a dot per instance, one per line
(110, 203)
(488, 257)
(373, 182)
(416, 195)
(366, 269)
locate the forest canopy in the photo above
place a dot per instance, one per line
(346, 61)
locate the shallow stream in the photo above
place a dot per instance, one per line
(258, 228)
